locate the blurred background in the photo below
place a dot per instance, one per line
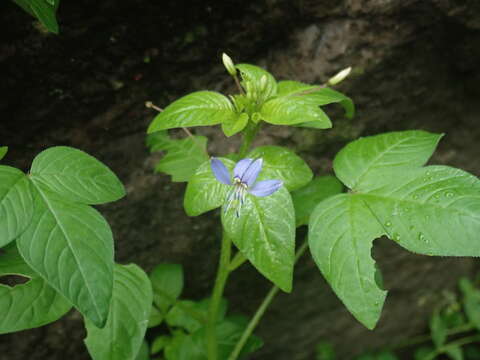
(415, 66)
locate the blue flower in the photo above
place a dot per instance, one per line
(244, 181)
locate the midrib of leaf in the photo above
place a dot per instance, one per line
(80, 268)
(374, 160)
(210, 106)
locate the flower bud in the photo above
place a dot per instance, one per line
(228, 63)
(263, 82)
(340, 76)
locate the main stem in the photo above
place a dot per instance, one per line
(222, 276)
(261, 310)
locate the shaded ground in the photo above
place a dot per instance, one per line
(415, 67)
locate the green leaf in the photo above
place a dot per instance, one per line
(282, 164)
(160, 343)
(178, 317)
(71, 246)
(235, 124)
(254, 74)
(27, 305)
(3, 151)
(324, 351)
(44, 10)
(318, 95)
(143, 354)
(167, 283)
(265, 233)
(183, 156)
(294, 110)
(122, 336)
(317, 190)
(201, 108)
(438, 330)
(16, 204)
(204, 192)
(471, 302)
(455, 353)
(76, 176)
(183, 347)
(362, 163)
(341, 234)
(386, 355)
(424, 353)
(156, 317)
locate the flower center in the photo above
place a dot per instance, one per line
(236, 197)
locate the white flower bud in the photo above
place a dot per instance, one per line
(340, 76)
(263, 82)
(228, 63)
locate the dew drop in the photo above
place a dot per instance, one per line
(449, 194)
(422, 237)
(415, 197)
(428, 173)
(388, 224)
(436, 196)
(396, 236)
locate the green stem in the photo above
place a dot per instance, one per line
(458, 343)
(237, 260)
(248, 135)
(260, 311)
(222, 276)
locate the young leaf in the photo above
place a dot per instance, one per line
(341, 234)
(424, 353)
(265, 233)
(122, 336)
(160, 343)
(183, 156)
(16, 204)
(183, 347)
(167, 284)
(283, 164)
(455, 353)
(44, 10)
(254, 74)
(234, 125)
(317, 95)
(201, 108)
(324, 351)
(76, 176)
(471, 301)
(362, 163)
(204, 192)
(306, 198)
(156, 317)
(3, 151)
(71, 246)
(438, 330)
(27, 305)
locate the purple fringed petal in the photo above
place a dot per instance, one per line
(241, 166)
(220, 171)
(251, 172)
(265, 187)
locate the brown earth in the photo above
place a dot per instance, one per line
(415, 67)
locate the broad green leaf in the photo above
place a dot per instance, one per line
(341, 233)
(294, 110)
(44, 10)
(306, 198)
(143, 354)
(254, 74)
(282, 164)
(317, 95)
(235, 125)
(183, 347)
(362, 163)
(160, 343)
(204, 192)
(433, 210)
(76, 176)
(438, 330)
(27, 305)
(455, 353)
(167, 284)
(122, 336)
(471, 301)
(3, 151)
(71, 246)
(324, 351)
(183, 156)
(201, 108)
(178, 317)
(265, 233)
(16, 203)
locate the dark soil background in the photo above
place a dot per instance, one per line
(415, 67)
